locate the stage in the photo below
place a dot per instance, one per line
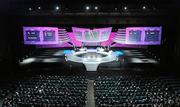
(57, 59)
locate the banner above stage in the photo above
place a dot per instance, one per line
(95, 35)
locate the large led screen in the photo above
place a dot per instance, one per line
(143, 35)
(95, 35)
(40, 35)
(48, 35)
(32, 35)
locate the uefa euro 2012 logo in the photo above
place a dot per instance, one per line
(91, 35)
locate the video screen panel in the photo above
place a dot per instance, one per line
(91, 36)
(48, 35)
(105, 33)
(152, 35)
(78, 35)
(135, 36)
(40, 35)
(143, 35)
(32, 35)
(95, 35)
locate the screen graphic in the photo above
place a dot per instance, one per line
(143, 35)
(33, 35)
(152, 35)
(91, 36)
(95, 35)
(49, 35)
(135, 36)
(40, 35)
(78, 35)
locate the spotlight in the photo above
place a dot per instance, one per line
(57, 7)
(125, 8)
(144, 7)
(39, 8)
(96, 7)
(87, 7)
(30, 9)
(115, 9)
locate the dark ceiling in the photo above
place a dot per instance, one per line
(78, 6)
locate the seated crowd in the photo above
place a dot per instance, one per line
(134, 92)
(4, 92)
(120, 91)
(49, 91)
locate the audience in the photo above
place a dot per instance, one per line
(50, 91)
(133, 92)
(121, 91)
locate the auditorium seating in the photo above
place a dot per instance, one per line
(49, 91)
(4, 92)
(121, 91)
(133, 92)
(172, 82)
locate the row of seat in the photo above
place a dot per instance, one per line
(4, 92)
(122, 91)
(50, 91)
(172, 82)
(133, 91)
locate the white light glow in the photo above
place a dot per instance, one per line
(144, 7)
(30, 9)
(96, 7)
(28, 60)
(87, 7)
(57, 7)
(125, 7)
(49, 60)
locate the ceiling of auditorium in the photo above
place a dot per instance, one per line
(69, 6)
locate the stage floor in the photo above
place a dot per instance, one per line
(55, 58)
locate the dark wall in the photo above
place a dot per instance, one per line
(177, 46)
(2, 38)
(94, 20)
(10, 45)
(5, 45)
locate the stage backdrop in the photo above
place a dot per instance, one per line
(52, 37)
